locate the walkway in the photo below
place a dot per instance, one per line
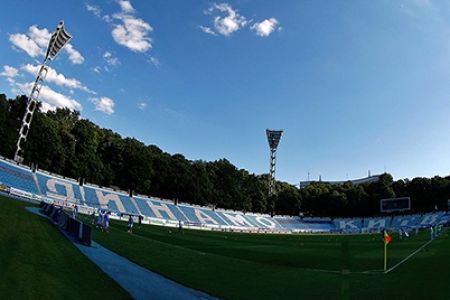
(136, 280)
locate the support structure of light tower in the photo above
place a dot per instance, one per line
(273, 137)
(58, 40)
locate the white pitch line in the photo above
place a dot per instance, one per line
(409, 256)
(368, 272)
(322, 270)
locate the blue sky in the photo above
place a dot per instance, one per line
(355, 85)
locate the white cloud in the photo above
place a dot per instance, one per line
(23, 42)
(98, 12)
(154, 61)
(51, 97)
(74, 56)
(9, 71)
(129, 31)
(57, 78)
(126, 6)
(266, 27)
(110, 59)
(40, 36)
(207, 30)
(94, 9)
(45, 107)
(132, 33)
(96, 69)
(58, 100)
(142, 105)
(103, 104)
(231, 21)
(35, 43)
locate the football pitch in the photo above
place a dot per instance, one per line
(254, 266)
(38, 262)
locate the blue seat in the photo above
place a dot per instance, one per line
(17, 177)
(405, 221)
(151, 207)
(117, 202)
(371, 224)
(52, 186)
(63, 188)
(206, 214)
(348, 225)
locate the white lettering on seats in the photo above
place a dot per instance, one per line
(157, 209)
(104, 200)
(204, 218)
(238, 220)
(53, 192)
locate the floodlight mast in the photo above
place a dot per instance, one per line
(58, 40)
(273, 137)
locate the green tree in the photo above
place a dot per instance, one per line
(287, 199)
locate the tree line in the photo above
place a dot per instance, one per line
(62, 142)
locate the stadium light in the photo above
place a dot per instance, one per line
(58, 40)
(273, 137)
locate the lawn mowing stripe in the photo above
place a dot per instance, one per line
(366, 272)
(203, 245)
(177, 256)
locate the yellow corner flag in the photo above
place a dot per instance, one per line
(387, 240)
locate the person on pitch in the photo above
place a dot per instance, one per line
(180, 225)
(130, 224)
(106, 221)
(100, 219)
(75, 212)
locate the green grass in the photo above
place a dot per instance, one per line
(249, 266)
(38, 262)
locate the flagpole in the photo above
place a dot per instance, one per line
(387, 240)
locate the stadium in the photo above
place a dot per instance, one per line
(89, 214)
(43, 186)
(257, 255)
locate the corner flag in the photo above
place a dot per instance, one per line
(387, 240)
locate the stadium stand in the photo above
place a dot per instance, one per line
(262, 221)
(15, 176)
(348, 225)
(376, 224)
(292, 223)
(161, 209)
(110, 200)
(198, 215)
(56, 189)
(445, 219)
(405, 221)
(430, 219)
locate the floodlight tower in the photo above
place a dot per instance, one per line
(273, 136)
(58, 40)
